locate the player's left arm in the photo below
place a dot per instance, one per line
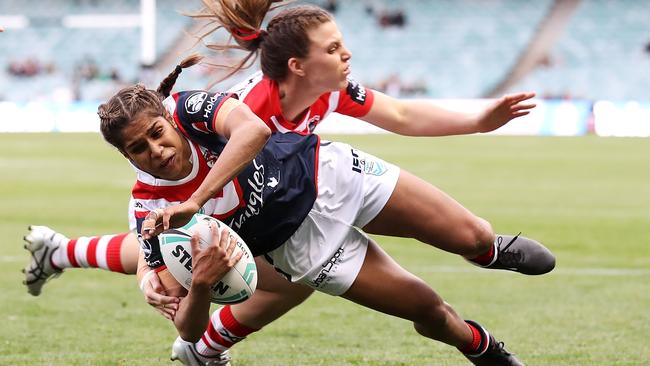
(246, 134)
(423, 118)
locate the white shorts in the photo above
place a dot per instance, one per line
(328, 250)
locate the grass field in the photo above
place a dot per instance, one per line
(588, 199)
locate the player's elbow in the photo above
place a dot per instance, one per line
(262, 131)
(190, 335)
(255, 130)
(190, 328)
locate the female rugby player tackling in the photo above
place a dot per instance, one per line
(294, 199)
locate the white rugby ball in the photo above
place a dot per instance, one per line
(236, 286)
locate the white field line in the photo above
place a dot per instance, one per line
(14, 258)
(564, 271)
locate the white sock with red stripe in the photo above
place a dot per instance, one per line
(222, 333)
(90, 252)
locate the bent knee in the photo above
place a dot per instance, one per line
(427, 307)
(433, 317)
(483, 236)
(475, 238)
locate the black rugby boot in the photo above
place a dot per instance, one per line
(494, 354)
(520, 254)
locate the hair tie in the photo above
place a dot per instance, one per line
(244, 34)
(178, 69)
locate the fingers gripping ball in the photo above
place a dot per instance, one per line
(236, 286)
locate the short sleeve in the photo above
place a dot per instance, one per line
(355, 100)
(198, 112)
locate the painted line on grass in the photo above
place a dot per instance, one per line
(586, 271)
(13, 258)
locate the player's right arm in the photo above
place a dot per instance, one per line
(209, 265)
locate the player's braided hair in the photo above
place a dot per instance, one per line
(137, 101)
(285, 36)
(167, 84)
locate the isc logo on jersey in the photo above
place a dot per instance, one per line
(236, 286)
(194, 102)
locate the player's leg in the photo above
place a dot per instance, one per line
(229, 325)
(383, 285)
(53, 252)
(419, 210)
(277, 297)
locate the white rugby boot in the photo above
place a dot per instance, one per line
(42, 242)
(186, 353)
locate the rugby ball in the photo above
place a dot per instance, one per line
(236, 286)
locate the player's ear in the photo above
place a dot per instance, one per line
(296, 66)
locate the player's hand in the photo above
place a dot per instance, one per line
(210, 264)
(504, 110)
(160, 219)
(155, 295)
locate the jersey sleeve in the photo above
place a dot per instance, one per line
(355, 100)
(197, 113)
(138, 210)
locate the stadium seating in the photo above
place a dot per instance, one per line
(460, 48)
(601, 54)
(49, 43)
(446, 49)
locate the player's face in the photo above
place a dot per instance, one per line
(154, 145)
(327, 64)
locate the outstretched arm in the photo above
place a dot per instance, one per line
(424, 118)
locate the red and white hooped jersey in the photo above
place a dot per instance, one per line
(261, 94)
(150, 193)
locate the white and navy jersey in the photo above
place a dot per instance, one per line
(264, 204)
(262, 95)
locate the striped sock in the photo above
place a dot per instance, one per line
(90, 252)
(222, 333)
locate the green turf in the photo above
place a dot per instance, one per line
(587, 198)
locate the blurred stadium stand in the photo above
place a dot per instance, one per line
(601, 55)
(447, 48)
(441, 48)
(77, 63)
